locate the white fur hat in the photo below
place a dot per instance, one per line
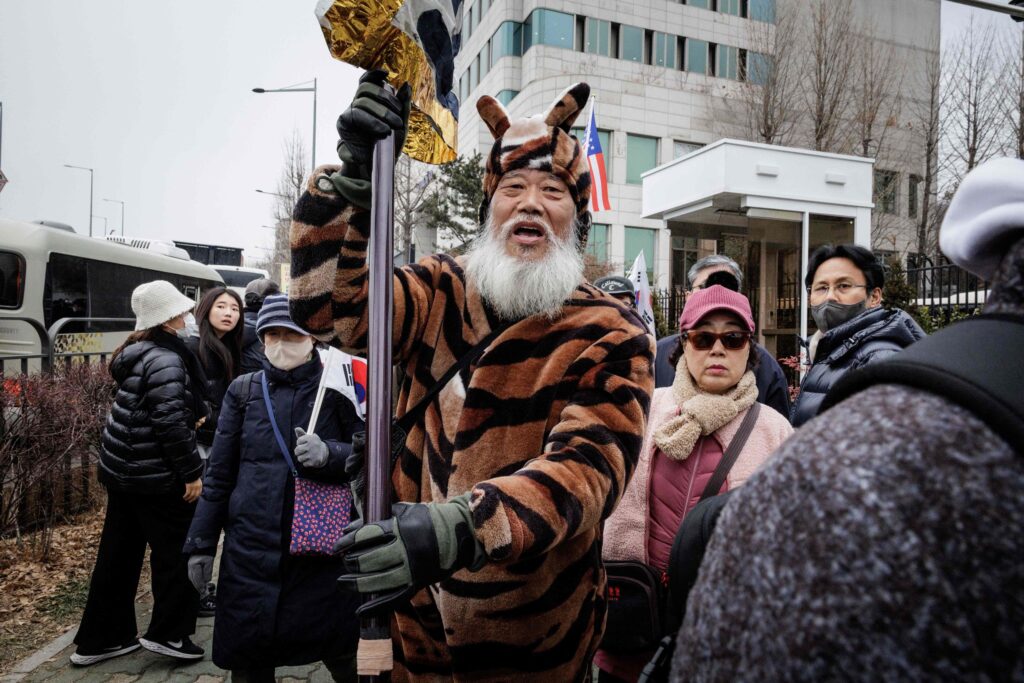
(986, 211)
(157, 302)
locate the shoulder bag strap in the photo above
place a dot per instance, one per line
(277, 430)
(732, 452)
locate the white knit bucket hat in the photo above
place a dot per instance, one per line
(157, 302)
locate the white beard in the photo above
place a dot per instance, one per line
(516, 288)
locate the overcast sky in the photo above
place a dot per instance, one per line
(156, 97)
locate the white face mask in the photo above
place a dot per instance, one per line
(285, 355)
(191, 326)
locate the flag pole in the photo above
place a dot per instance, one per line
(374, 658)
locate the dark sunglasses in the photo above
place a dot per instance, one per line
(702, 341)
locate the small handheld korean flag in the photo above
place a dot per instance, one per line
(345, 374)
(638, 276)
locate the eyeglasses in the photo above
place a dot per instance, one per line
(703, 341)
(820, 292)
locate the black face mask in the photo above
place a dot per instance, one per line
(832, 314)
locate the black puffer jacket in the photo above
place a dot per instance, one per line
(149, 444)
(252, 347)
(216, 386)
(872, 335)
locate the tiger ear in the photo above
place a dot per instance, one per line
(493, 114)
(568, 106)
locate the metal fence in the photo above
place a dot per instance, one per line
(947, 290)
(48, 357)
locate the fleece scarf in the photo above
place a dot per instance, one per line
(700, 413)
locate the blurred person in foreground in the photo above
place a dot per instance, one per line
(151, 469)
(492, 560)
(719, 269)
(844, 285)
(884, 541)
(252, 348)
(691, 425)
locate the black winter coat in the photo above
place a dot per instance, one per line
(148, 443)
(216, 387)
(273, 609)
(772, 387)
(872, 335)
(252, 347)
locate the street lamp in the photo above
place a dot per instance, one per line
(284, 196)
(104, 223)
(296, 88)
(86, 168)
(118, 201)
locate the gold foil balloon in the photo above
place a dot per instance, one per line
(382, 34)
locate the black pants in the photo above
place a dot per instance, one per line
(134, 521)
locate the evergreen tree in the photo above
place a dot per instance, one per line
(452, 209)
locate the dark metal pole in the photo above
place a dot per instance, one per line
(312, 146)
(378, 409)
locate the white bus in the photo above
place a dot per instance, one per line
(237, 277)
(48, 274)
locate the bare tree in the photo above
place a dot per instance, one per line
(828, 68)
(973, 101)
(1013, 80)
(771, 77)
(289, 188)
(412, 184)
(926, 123)
(878, 81)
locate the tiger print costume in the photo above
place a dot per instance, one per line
(544, 429)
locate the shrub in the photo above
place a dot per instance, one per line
(50, 428)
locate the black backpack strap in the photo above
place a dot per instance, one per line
(246, 388)
(731, 453)
(977, 364)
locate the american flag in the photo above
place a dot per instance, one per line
(599, 200)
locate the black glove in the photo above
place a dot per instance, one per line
(422, 544)
(371, 117)
(355, 470)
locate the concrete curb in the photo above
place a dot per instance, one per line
(43, 654)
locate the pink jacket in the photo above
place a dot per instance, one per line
(626, 530)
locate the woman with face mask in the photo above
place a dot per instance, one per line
(274, 609)
(844, 291)
(151, 470)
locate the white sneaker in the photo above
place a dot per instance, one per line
(87, 657)
(179, 649)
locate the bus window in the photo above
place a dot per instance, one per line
(66, 291)
(111, 286)
(12, 279)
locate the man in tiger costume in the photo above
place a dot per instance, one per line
(493, 568)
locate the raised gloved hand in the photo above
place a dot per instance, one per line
(200, 571)
(355, 470)
(310, 450)
(422, 544)
(373, 114)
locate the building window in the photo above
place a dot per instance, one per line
(464, 87)
(484, 6)
(641, 156)
(466, 33)
(663, 50)
(761, 10)
(506, 96)
(485, 60)
(886, 185)
(703, 4)
(631, 44)
(697, 56)
(727, 62)
(597, 37)
(729, 7)
(548, 27)
(681, 148)
(645, 240)
(913, 189)
(507, 41)
(597, 242)
(474, 73)
(684, 255)
(758, 68)
(474, 17)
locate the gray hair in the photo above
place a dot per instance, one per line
(714, 260)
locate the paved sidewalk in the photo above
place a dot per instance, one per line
(51, 662)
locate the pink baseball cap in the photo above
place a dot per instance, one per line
(715, 298)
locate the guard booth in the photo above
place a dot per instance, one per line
(768, 208)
